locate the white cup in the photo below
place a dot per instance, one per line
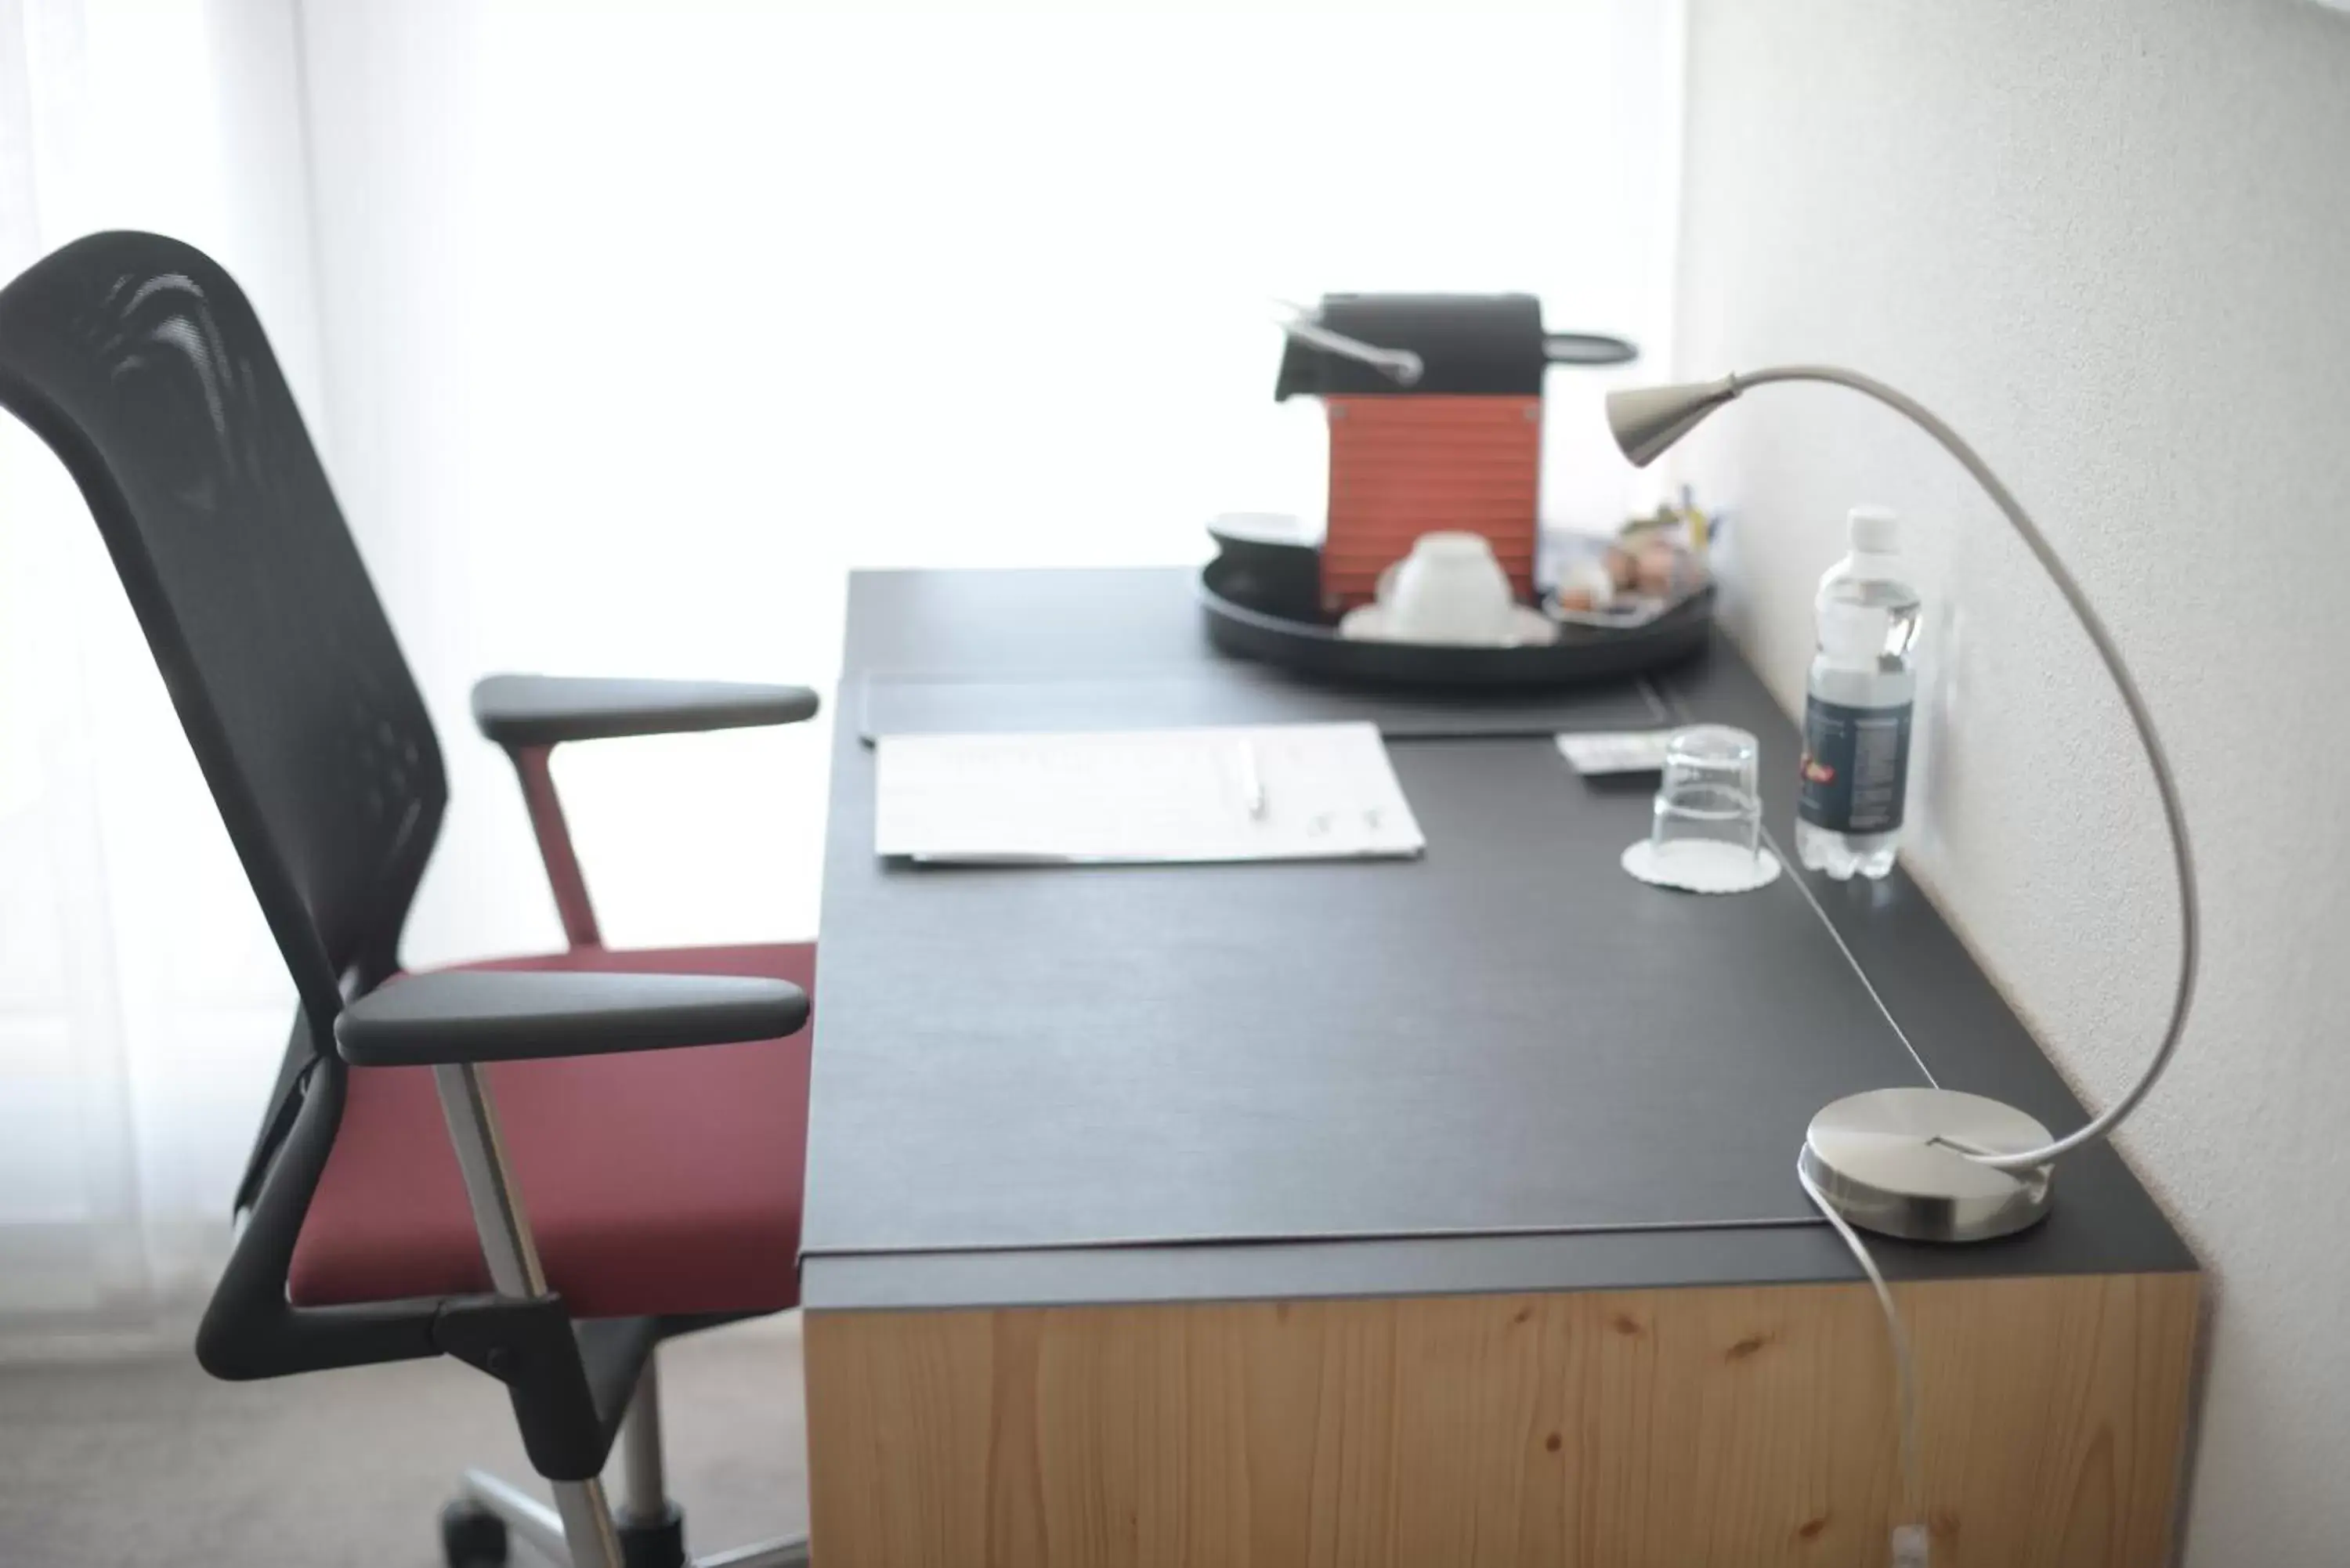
(1449, 589)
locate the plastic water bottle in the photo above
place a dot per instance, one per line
(1856, 769)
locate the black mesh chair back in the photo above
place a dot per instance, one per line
(139, 360)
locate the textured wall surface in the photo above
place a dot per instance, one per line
(2110, 241)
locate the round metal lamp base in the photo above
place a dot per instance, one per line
(1893, 1161)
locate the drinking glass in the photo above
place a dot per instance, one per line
(1709, 804)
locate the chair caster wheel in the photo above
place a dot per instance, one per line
(471, 1536)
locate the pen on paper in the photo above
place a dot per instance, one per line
(1252, 782)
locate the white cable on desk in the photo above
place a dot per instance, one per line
(1910, 1538)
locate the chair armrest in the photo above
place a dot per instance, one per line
(549, 710)
(504, 1015)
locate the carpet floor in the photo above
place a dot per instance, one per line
(121, 1463)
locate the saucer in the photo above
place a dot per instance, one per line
(1528, 629)
(1698, 867)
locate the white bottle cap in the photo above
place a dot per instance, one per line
(1873, 530)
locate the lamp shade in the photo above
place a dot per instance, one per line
(1647, 420)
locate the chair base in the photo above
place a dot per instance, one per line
(539, 1526)
(581, 1531)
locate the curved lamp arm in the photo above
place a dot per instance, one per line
(1649, 421)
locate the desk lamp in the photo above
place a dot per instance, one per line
(1936, 1165)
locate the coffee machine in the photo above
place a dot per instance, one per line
(1434, 403)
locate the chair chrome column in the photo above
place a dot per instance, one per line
(587, 1530)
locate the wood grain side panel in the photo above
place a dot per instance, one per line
(1635, 1429)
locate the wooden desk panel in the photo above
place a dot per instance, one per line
(1660, 1428)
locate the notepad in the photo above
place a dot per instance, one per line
(1265, 792)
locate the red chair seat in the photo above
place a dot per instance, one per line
(656, 1182)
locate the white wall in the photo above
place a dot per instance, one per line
(2110, 241)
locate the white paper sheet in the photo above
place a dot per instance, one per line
(1269, 792)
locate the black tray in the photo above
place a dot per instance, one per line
(1582, 654)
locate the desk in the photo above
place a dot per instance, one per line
(1273, 1215)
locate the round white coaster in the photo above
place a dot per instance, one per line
(1699, 866)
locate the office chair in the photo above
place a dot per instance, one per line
(542, 1167)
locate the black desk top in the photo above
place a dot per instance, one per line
(1503, 1066)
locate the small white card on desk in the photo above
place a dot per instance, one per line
(1616, 751)
(1263, 792)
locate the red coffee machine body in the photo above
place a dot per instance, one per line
(1435, 409)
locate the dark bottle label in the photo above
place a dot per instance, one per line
(1856, 767)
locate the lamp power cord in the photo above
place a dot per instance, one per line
(1909, 1536)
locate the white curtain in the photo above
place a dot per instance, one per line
(141, 1003)
(641, 324)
